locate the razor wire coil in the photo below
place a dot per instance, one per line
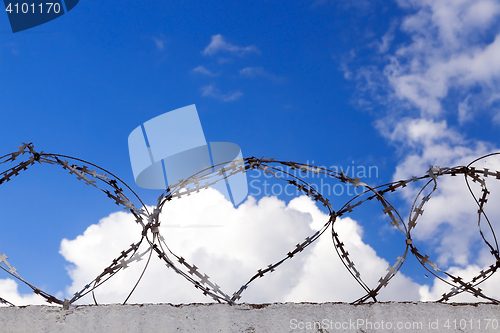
(111, 186)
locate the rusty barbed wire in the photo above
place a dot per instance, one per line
(111, 185)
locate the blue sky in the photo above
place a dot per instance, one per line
(398, 85)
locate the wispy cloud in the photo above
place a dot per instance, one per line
(218, 44)
(386, 40)
(225, 52)
(363, 5)
(464, 111)
(452, 56)
(160, 42)
(449, 67)
(202, 70)
(13, 47)
(252, 72)
(212, 91)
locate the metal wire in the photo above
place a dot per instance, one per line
(109, 184)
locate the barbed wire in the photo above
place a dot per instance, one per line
(113, 187)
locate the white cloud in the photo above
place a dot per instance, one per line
(325, 279)
(420, 132)
(450, 217)
(450, 21)
(202, 70)
(445, 54)
(212, 91)
(488, 287)
(255, 235)
(218, 44)
(9, 291)
(449, 65)
(448, 228)
(448, 51)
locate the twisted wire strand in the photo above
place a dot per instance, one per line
(111, 185)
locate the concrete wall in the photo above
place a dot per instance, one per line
(288, 317)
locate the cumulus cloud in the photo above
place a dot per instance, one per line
(254, 235)
(212, 91)
(218, 44)
(325, 278)
(250, 237)
(9, 291)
